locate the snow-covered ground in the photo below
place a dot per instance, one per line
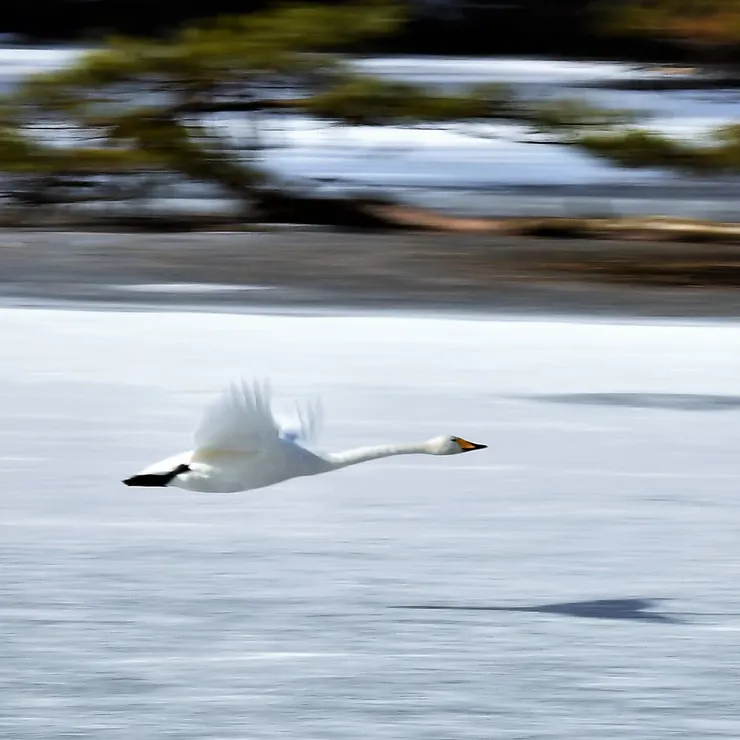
(574, 580)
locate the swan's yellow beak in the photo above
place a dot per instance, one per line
(466, 446)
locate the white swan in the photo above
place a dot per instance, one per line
(240, 446)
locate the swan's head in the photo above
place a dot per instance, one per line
(451, 446)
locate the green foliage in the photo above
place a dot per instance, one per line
(725, 154)
(186, 149)
(640, 148)
(17, 153)
(22, 154)
(568, 116)
(363, 100)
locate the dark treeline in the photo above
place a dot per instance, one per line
(460, 27)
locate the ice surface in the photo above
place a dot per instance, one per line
(575, 580)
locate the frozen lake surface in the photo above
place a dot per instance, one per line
(576, 580)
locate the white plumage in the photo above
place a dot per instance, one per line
(240, 445)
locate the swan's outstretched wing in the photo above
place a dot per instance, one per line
(306, 424)
(239, 419)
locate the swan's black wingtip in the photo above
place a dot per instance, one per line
(149, 481)
(155, 480)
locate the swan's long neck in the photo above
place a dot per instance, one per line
(363, 454)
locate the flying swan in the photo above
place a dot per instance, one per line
(240, 445)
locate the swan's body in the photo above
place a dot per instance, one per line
(240, 446)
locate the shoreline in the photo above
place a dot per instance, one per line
(321, 270)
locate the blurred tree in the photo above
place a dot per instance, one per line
(202, 104)
(142, 105)
(707, 29)
(640, 148)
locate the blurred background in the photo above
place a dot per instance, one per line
(523, 109)
(510, 221)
